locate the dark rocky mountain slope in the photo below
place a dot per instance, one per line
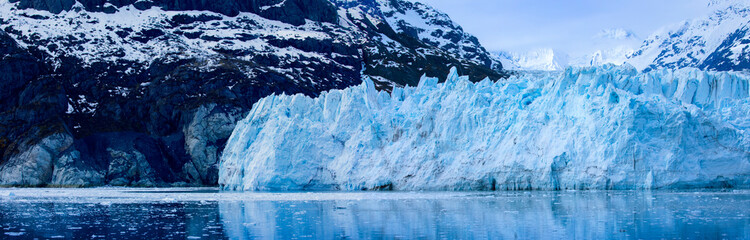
(146, 92)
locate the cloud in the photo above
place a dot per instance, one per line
(616, 34)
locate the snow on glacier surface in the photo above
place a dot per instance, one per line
(607, 127)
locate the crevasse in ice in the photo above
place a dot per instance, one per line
(607, 127)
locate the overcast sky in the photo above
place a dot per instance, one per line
(567, 25)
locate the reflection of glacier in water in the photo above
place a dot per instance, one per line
(123, 213)
(537, 215)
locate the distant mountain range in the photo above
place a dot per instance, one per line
(719, 41)
(544, 59)
(614, 46)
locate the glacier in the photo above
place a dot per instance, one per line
(606, 127)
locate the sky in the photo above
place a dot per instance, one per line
(566, 25)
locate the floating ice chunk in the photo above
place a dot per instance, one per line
(9, 195)
(606, 127)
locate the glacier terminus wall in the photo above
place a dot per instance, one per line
(608, 127)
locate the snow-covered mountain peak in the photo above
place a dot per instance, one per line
(424, 23)
(611, 45)
(723, 4)
(543, 59)
(718, 41)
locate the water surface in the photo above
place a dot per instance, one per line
(204, 213)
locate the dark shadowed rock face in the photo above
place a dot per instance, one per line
(32, 131)
(142, 93)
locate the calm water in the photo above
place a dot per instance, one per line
(123, 213)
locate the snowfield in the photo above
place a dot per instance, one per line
(607, 127)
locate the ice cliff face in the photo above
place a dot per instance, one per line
(586, 128)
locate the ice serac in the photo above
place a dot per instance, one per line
(606, 127)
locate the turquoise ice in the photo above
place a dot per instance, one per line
(608, 127)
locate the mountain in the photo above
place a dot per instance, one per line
(544, 59)
(720, 41)
(146, 92)
(613, 46)
(413, 39)
(608, 127)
